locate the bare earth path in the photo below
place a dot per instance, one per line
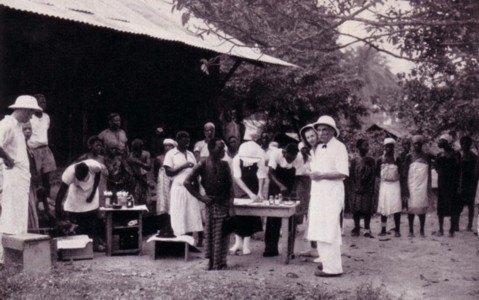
(405, 268)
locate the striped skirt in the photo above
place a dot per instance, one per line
(216, 244)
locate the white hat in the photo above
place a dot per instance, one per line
(301, 145)
(389, 141)
(329, 121)
(250, 152)
(170, 142)
(305, 127)
(26, 102)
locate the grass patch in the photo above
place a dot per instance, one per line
(67, 281)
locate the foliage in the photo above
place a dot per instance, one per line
(379, 85)
(440, 36)
(288, 30)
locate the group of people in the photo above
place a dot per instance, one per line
(405, 184)
(195, 190)
(209, 178)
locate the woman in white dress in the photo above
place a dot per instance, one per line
(184, 208)
(389, 202)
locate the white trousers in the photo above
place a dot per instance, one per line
(330, 255)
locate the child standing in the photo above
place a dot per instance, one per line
(389, 202)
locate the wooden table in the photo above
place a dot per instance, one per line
(117, 222)
(246, 207)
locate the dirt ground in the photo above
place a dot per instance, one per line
(405, 268)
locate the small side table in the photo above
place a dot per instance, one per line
(117, 223)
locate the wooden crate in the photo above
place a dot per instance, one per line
(29, 252)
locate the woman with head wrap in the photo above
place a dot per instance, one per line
(447, 165)
(389, 200)
(419, 184)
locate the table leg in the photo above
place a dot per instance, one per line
(285, 240)
(292, 236)
(109, 230)
(140, 233)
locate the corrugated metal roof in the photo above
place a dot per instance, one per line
(153, 18)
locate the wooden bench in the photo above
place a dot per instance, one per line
(186, 240)
(29, 252)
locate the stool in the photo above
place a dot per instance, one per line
(184, 239)
(31, 252)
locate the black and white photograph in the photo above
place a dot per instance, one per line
(239, 149)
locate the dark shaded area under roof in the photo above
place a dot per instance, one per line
(86, 72)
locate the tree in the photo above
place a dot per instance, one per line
(440, 36)
(379, 84)
(286, 29)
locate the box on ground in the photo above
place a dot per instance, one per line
(29, 252)
(74, 247)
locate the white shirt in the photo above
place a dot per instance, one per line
(79, 191)
(305, 169)
(175, 158)
(202, 148)
(261, 173)
(333, 158)
(277, 159)
(40, 128)
(12, 140)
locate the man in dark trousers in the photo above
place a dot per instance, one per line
(282, 164)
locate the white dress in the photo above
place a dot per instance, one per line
(185, 209)
(389, 200)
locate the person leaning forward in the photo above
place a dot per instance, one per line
(16, 184)
(329, 168)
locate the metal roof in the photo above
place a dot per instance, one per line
(153, 18)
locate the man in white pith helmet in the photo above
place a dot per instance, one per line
(13, 151)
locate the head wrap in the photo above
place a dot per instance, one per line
(250, 152)
(170, 142)
(389, 141)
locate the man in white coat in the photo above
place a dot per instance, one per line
(329, 168)
(16, 183)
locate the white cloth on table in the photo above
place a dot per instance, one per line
(389, 200)
(185, 209)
